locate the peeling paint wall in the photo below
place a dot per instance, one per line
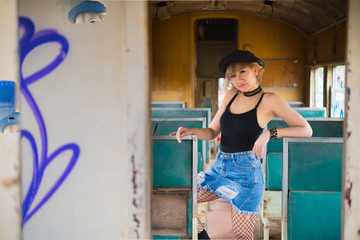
(351, 167)
(86, 122)
(10, 207)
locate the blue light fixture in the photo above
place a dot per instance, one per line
(8, 117)
(88, 6)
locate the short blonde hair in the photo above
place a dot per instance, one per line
(231, 68)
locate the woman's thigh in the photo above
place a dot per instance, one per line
(243, 224)
(205, 195)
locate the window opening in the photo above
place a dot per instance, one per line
(216, 30)
(338, 92)
(221, 90)
(319, 87)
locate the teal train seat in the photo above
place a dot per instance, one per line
(179, 104)
(311, 199)
(311, 112)
(273, 166)
(185, 113)
(182, 113)
(322, 127)
(296, 104)
(174, 203)
(164, 126)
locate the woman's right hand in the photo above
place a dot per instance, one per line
(181, 132)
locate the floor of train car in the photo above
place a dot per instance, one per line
(219, 220)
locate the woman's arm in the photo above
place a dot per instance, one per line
(202, 133)
(298, 126)
(210, 132)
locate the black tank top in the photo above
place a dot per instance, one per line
(239, 131)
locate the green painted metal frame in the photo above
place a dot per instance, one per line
(184, 113)
(319, 216)
(296, 104)
(285, 178)
(273, 172)
(193, 197)
(204, 146)
(174, 104)
(311, 112)
(275, 145)
(279, 150)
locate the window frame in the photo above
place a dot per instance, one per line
(328, 83)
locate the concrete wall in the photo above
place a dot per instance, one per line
(85, 120)
(10, 203)
(351, 156)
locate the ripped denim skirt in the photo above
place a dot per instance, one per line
(237, 178)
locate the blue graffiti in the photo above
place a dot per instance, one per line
(29, 41)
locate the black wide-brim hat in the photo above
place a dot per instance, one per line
(238, 56)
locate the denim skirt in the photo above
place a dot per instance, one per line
(237, 178)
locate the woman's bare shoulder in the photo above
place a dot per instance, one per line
(273, 102)
(229, 95)
(271, 98)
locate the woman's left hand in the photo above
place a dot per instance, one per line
(259, 146)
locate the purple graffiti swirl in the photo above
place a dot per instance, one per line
(29, 41)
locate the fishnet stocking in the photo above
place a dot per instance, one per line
(204, 196)
(243, 225)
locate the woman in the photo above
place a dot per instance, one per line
(245, 111)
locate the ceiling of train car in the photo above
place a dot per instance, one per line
(309, 16)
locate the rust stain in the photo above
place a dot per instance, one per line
(347, 195)
(348, 134)
(134, 171)
(137, 226)
(9, 182)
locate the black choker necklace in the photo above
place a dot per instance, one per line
(254, 92)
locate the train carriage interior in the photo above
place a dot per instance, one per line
(90, 91)
(303, 46)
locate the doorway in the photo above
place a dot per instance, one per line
(214, 38)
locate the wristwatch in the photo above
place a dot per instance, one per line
(273, 133)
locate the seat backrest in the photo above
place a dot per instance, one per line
(182, 113)
(174, 203)
(179, 104)
(165, 126)
(311, 112)
(312, 187)
(322, 127)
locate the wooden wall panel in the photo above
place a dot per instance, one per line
(267, 38)
(281, 74)
(171, 61)
(324, 46)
